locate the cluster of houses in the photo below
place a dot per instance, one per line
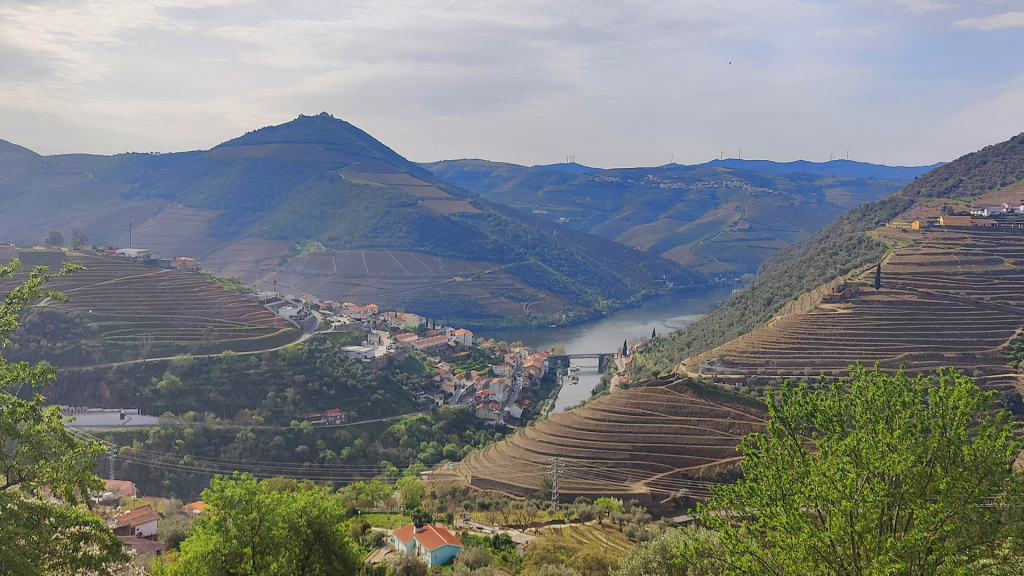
(134, 518)
(144, 256)
(990, 210)
(981, 216)
(493, 395)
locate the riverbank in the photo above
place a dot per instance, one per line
(664, 315)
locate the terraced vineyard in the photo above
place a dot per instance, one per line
(141, 311)
(949, 298)
(646, 443)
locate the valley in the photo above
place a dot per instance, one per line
(722, 218)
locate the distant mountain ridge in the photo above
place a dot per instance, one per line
(721, 218)
(318, 206)
(832, 168)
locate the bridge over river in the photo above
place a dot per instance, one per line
(602, 358)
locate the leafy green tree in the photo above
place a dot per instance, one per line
(661, 555)
(412, 491)
(608, 505)
(882, 474)
(55, 239)
(408, 565)
(421, 516)
(252, 530)
(36, 451)
(78, 239)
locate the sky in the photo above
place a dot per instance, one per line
(627, 83)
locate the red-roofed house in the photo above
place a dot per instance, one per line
(195, 508)
(430, 343)
(435, 545)
(140, 522)
(125, 488)
(142, 547)
(463, 337)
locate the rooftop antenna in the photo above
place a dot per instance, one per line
(722, 154)
(739, 154)
(673, 160)
(847, 154)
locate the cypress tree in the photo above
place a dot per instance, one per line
(878, 276)
(625, 350)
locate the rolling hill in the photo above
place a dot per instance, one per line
(121, 311)
(949, 296)
(318, 206)
(722, 218)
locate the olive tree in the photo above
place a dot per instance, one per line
(878, 474)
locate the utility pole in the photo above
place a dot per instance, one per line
(555, 462)
(111, 457)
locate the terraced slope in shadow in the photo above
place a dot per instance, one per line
(648, 443)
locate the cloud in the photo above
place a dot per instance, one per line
(997, 22)
(617, 83)
(919, 7)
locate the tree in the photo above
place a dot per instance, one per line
(54, 240)
(878, 276)
(420, 517)
(593, 561)
(412, 491)
(654, 333)
(662, 555)
(474, 557)
(557, 350)
(253, 530)
(78, 239)
(408, 565)
(882, 474)
(36, 450)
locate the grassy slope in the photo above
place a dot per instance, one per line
(835, 250)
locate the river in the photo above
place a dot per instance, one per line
(664, 314)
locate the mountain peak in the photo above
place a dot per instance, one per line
(324, 130)
(11, 149)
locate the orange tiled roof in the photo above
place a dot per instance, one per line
(138, 516)
(122, 487)
(430, 537)
(197, 506)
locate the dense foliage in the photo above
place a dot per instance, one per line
(275, 387)
(880, 474)
(178, 457)
(249, 528)
(39, 457)
(835, 250)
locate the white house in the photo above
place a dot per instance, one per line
(462, 337)
(140, 522)
(989, 210)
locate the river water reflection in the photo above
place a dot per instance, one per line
(664, 314)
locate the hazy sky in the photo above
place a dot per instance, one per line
(615, 83)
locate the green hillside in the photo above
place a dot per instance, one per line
(723, 221)
(837, 249)
(320, 179)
